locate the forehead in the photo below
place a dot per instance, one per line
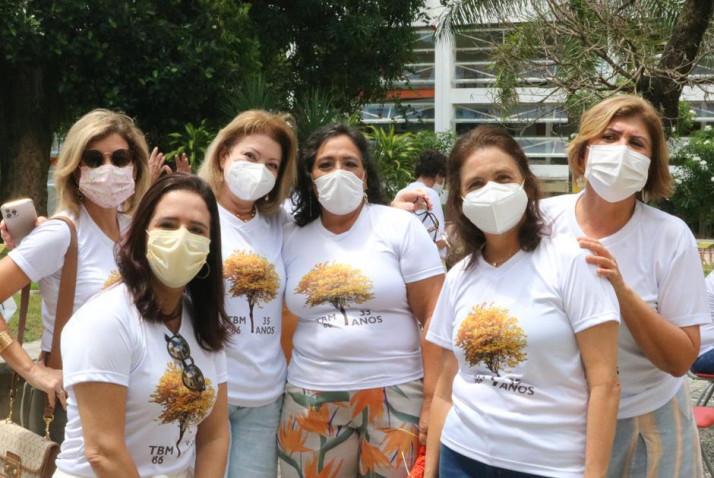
(631, 125)
(261, 142)
(486, 161)
(339, 145)
(110, 142)
(183, 205)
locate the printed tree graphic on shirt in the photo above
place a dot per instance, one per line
(336, 284)
(490, 335)
(252, 276)
(114, 277)
(180, 404)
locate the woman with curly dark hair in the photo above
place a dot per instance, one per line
(527, 330)
(362, 279)
(144, 361)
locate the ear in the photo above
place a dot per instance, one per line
(222, 158)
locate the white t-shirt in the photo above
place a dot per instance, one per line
(254, 276)
(107, 341)
(40, 256)
(520, 398)
(657, 256)
(436, 209)
(707, 330)
(355, 328)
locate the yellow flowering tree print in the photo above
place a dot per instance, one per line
(114, 277)
(492, 336)
(253, 276)
(336, 284)
(187, 407)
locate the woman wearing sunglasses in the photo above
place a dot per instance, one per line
(361, 278)
(651, 259)
(101, 173)
(143, 360)
(528, 331)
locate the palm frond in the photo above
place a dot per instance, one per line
(458, 14)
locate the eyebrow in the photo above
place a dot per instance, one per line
(643, 138)
(175, 219)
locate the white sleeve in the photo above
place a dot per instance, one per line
(418, 256)
(221, 367)
(97, 345)
(588, 299)
(442, 320)
(41, 253)
(682, 292)
(710, 293)
(438, 211)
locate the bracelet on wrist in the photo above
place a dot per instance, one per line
(5, 340)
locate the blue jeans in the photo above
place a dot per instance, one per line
(704, 363)
(254, 442)
(456, 465)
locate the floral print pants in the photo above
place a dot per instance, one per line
(368, 433)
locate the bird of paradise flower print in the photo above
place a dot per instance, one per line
(336, 284)
(253, 276)
(181, 405)
(490, 335)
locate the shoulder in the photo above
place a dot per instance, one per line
(391, 215)
(53, 234)
(110, 311)
(554, 206)
(710, 283)
(560, 245)
(663, 225)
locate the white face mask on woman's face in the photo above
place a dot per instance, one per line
(340, 192)
(616, 172)
(107, 186)
(175, 256)
(248, 181)
(495, 208)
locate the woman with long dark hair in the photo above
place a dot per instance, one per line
(528, 384)
(362, 278)
(144, 361)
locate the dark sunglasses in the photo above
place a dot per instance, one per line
(120, 158)
(179, 350)
(431, 222)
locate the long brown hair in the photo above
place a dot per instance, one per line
(470, 237)
(205, 294)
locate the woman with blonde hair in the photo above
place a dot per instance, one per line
(650, 258)
(102, 172)
(250, 166)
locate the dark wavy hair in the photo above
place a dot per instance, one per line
(206, 309)
(430, 164)
(468, 235)
(307, 207)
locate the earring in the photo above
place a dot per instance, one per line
(366, 198)
(207, 273)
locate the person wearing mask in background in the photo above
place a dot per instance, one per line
(102, 171)
(250, 166)
(143, 359)
(361, 279)
(430, 174)
(705, 362)
(650, 258)
(528, 332)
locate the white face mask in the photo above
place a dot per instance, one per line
(107, 186)
(340, 192)
(248, 181)
(615, 171)
(176, 256)
(496, 208)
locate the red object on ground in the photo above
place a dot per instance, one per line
(704, 416)
(418, 468)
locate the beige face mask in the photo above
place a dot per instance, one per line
(175, 256)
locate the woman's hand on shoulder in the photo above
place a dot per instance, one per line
(412, 200)
(604, 261)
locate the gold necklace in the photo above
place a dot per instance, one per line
(250, 216)
(501, 261)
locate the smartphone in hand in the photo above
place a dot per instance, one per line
(20, 217)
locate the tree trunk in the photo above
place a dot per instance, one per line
(663, 91)
(25, 134)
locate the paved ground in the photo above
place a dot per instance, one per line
(706, 436)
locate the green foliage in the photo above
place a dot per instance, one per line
(193, 141)
(255, 93)
(694, 181)
(350, 50)
(427, 139)
(316, 109)
(395, 155)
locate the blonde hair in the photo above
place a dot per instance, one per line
(245, 124)
(93, 126)
(596, 120)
